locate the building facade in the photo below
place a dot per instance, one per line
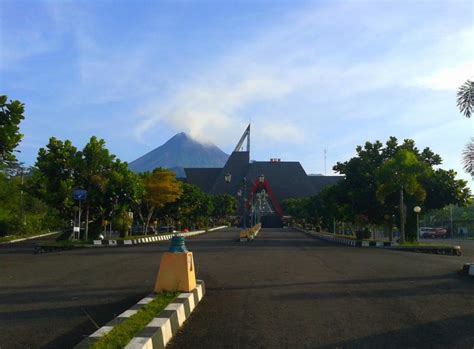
(278, 180)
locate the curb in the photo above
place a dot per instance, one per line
(450, 251)
(114, 243)
(453, 251)
(468, 269)
(161, 329)
(149, 239)
(348, 242)
(29, 238)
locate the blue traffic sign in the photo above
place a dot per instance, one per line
(79, 195)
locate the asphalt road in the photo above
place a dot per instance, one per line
(282, 290)
(48, 300)
(287, 290)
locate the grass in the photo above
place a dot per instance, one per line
(123, 333)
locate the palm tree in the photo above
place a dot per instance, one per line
(466, 98)
(468, 157)
(401, 174)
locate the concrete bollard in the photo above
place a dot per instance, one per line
(177, 272)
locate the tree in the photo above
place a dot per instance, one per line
(223, 206)
(93, 166)
(194, 207)
(465, 98)
(296, 208)
(61, 168)
(160, 188)
(468, 157)
(356, 196)
(11, 115)
(402, 174)
(122, 192)
(53, 177)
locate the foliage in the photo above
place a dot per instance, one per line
(61, 168)
(223, 206)
(20, 213)
(53, 177)
(193, 208)
(160, 188)
(468, 157)
(402, 172)
(368, 194)
(11, 115)
(401, 175)
(465, 98)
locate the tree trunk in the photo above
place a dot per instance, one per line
(148, 219)
(390, 230)
(402, 216)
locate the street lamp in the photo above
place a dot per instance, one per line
(227, 178)
(417, 210)
(261, 180)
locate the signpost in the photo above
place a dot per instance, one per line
(79, 195)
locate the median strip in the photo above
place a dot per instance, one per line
(409, 247)
(250, 234)
(151, 323)
(69, 245)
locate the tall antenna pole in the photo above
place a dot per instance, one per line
(325, 157)
(248, 139)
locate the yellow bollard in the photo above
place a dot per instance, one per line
(176, 269)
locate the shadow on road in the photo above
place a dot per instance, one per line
(427, 336)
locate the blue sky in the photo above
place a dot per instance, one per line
(309, 75)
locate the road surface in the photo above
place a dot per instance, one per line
(284, 289)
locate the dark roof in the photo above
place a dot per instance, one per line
(203, 178)
(287, 179)
(237, 165)
(320, 182)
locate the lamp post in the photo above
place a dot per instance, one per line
(417, 210)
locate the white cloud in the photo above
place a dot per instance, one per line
(282, 131)
(446, 79)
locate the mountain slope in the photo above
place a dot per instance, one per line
(178, 152)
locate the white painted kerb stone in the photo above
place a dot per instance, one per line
(179, 309)
(102, 331)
